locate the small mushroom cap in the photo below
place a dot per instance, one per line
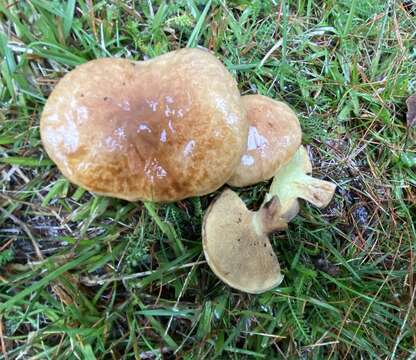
(274, 136)
(158, 130)
(236, 248)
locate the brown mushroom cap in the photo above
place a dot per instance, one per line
(236, 244)
(274, 136)
(159, 130)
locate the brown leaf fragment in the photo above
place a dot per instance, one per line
(411, 111)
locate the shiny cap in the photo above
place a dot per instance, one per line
(158, 130)
(274, 136)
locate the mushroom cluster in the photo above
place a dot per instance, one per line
(235, 239)
(174, 127)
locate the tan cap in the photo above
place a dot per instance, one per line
(159, 130)
(236, 244)
(274, 136)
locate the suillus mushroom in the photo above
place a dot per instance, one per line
(235, 239)
(159, 130)
(274, 135)
(273, 150)
(236, 244)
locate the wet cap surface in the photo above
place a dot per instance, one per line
(273, 137)
(159, 130)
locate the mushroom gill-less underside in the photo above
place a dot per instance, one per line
(236, 243)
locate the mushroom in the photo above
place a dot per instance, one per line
(235, 239)
(274, 135)
(159, 130)
(292, 182)
(236, 245)
(273, 149)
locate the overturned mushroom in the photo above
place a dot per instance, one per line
(160, 130)
(236, 244)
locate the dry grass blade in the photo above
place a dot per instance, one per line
(26, 229)
(2, 341)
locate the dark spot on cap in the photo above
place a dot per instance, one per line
(264, 244)
(81, 95)
(238, 239)
(271, 254)
(105, 98)
(124, 83)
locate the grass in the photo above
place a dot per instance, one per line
(84, 277)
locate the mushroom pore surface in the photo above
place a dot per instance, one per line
(236, 244)
(274, 136)
(159, 130)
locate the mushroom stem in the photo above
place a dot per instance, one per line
(292, 182)
(268, 218)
